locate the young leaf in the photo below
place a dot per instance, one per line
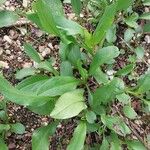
(76, 5)
(139, 52)
(77, 141)
(103, 56)
(69, 105)
(4, 127)
(123, 98)
(125, 70)
(145, 16)
(18, 128)
(57, 86)
(3, 144)
(90, 116)
(7, 18)
(40, 137)
(25, 72)
(129, 112)
(66, 69)
(128, 35)
(32, 53)
(123, 5)
(46, 17)
(104, 24)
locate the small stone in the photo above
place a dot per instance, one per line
(46, 52)
(50, 45)
(12, 8)
(39, 33)
(110, 72)
(23, 31)
(148, 61)
(12, 33)
(71, 16)
(8, 52)
(27, 65)
(7, 3)
(41, 49)
(7, 39)
(4, 64)
(25, 3)
(1, 51)
(56, 47)
(147, 39)
(81, 15)
(11, 146)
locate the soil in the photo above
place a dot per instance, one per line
(13, 58)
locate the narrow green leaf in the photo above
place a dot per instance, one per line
(145, 16)
(40, 137)
(104, 24)
(25, 72)
(105, 144)
(32, 53)
(69, 105)
(125, 70)
(77, 141)
(66, 69)
(76, 5)
(103, 56)
(18, 128)
(7, 18)
(57, 86)
(129, 112)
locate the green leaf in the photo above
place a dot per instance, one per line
(104, 24)
(123, 98)
(77, 141)
(111, 34)
(139, 52)
(2, 1)
(105, 144)
(115, 142)
(129, 112)
(135, 145)
(20, 97)
(103, 56)
(3, 144)
(101, 77)
(143, 83)
(32, 53)
(69, 105)
(7, 18)
(40, 137)
(146, 28)
(123, 5)
(125, 70)
(90, 116)
(66, 69)
(145, 16)
(18, 128)
(76, 5)
(146, 3)
(46, 17)
(4, 127)
(108, 92)
(3, 115)
(128, 35)
(57, 86)
(25, 72)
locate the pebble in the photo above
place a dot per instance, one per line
(1, 51)
(4, 64)
(50, 45)
(110, 72)
(8, 52)
(41, 48)
(7, 3)
(7, 39)
(12, 8)
(46, 52)
(71, 16)
(148, 61)
(39, 33)
(27, 65)
(12, 33)
(147, 39)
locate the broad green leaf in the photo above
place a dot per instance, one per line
(66, 69)
(146, 28)
(76, 5)
(123, 98)
(128, 35)
(46, 17)
(4, 127)
(108, 92)
(40, 137)
(135, 145)
(32, 53)
(7, 18)
(143, 83)
(111, 34)
(129, 112)
(145, 16)
(20, 97)
(90, 116)
(123, 4)
(25, 72)
(3, 115)
(104, 24)
(92, 127)
(46, 65)
(101, 77)
(132, 20)
(3, 144)
(115, 142)
(105, 144)
(69, 105)
(146, 3)
(18, 128)
(125, 70)
(139, 52)
(103, 56)
(79, 135)
(57, 86)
